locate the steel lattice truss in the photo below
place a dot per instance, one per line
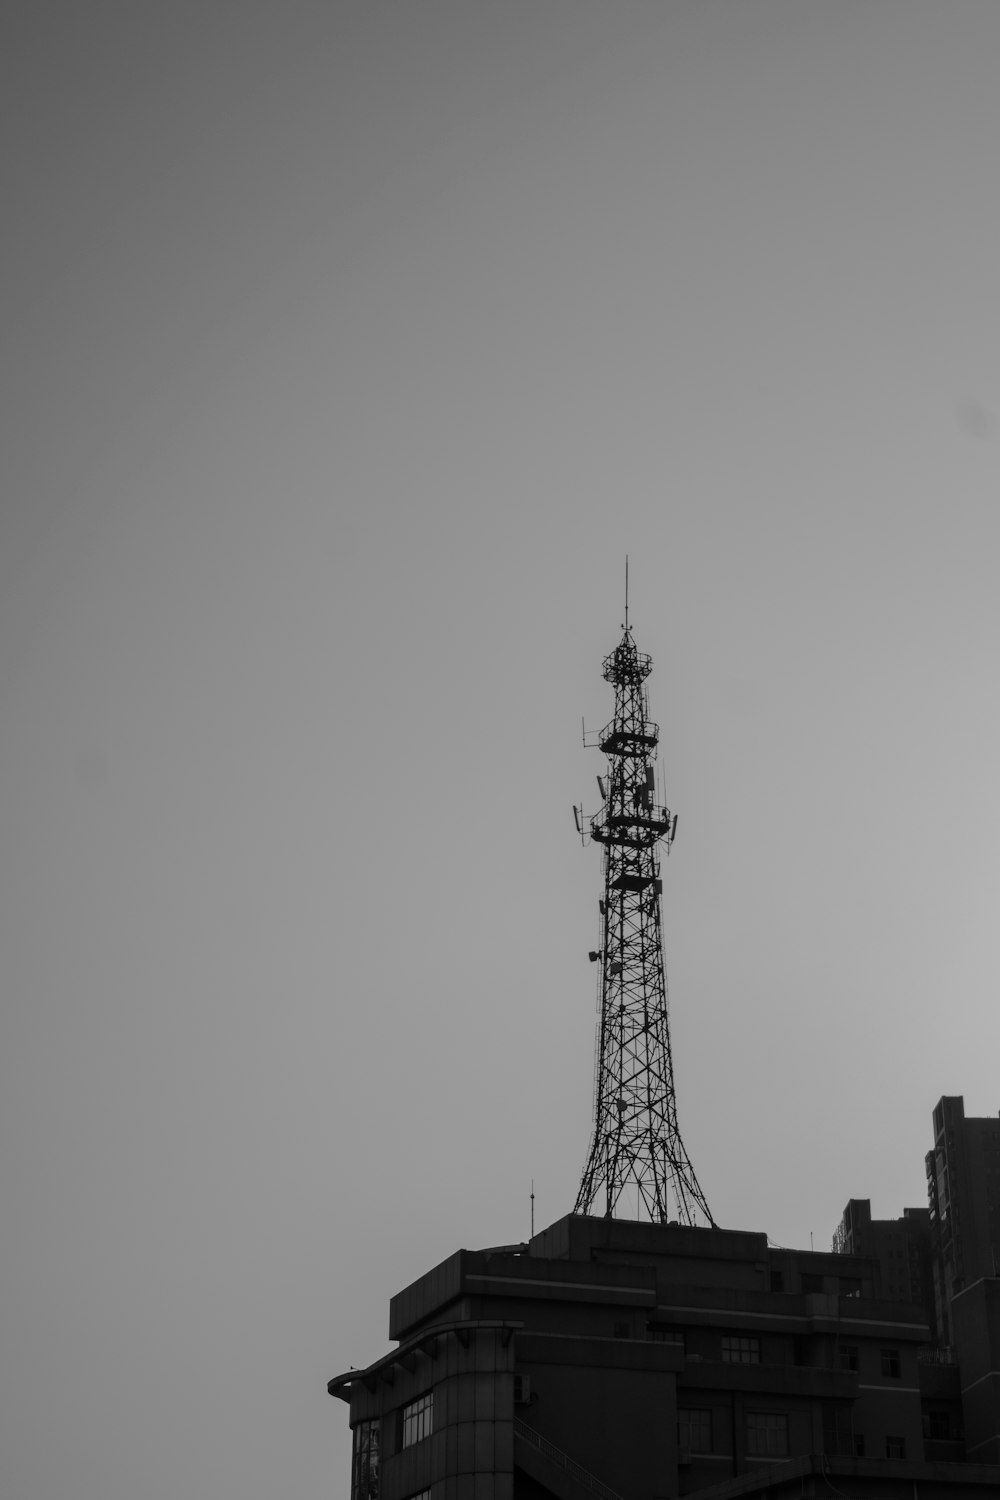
(636, 1143)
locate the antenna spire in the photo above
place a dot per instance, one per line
(636, 1143)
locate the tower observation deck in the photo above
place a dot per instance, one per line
(636, 1150)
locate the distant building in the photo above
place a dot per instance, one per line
(963, 1189)
(946, 1259)
(651, 1361)
(902, 1248)
(976, 1318)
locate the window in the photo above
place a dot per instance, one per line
(661, 1333)
(890, 1363)
(850, 1286)
(895, 1447)
(837, 1430)
(859, 1445)
(777, 1281)
(738, 1349)
(767, 1434)
(937, 1425)
(811, 1281)
(694, 1429)
(365, 1468)
(418, 1419)
(847, 1357)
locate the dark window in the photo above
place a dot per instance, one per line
(694, 1429)
(937, 1424)
(664, 1335)
(890, 1363)
(811, 1282)
(418, 1419)
(847, 1357)
(837, 1432)
(365, 1467)
(895, 1447)
(850, 1286)
(738, 1349)
(859, 1445)
(767, 1434)
(777, 1281)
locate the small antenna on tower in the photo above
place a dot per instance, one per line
(626, 591)
(532, 1208)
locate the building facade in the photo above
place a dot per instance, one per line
(901, 1247)
(644, 1361)
(963, 1190)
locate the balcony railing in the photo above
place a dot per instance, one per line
(942, 1356)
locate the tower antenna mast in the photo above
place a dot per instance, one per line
(636, 1144)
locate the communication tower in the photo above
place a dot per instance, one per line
(636, 1142)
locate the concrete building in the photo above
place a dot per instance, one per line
(963, 1189)
(902, 1248)
(652, 1361)
(945, 1258)
(976, 1318)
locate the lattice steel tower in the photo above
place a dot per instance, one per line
(636, 1139)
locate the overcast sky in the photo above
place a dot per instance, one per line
(347, 350)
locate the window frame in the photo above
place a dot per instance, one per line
(416, 1420)
(740, 1349)
(686, 1427)
(769, 1428)
(366, 1464)
(938, 1426)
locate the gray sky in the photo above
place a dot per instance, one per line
(348, 349)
